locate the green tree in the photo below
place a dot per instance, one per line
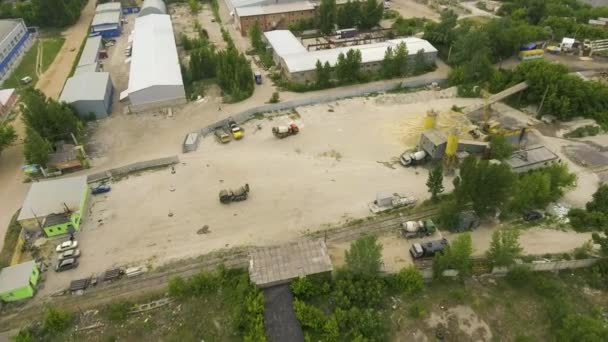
(409, 280)
(434, 182)
(449, 212)
(371, 14)
(36, 149)
(504, 248)
(577, 327)
(486, 185)
(195, 6)
(500, 148)
(7, 135)
(388, 63)
(349, 14)
(364, 256)
(52, 120)
(469, 45)
(456, 256)
(531, 191)
(442, 32)
(323, 75)
(327, 16)
(400, 61)
(348, 67)
(255, 35)
(420, 63)
(56, 320)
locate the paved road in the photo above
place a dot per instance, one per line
(51, 83)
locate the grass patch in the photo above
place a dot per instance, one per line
(211, 306)
(26, 68)
(10, 241)
(50, 49)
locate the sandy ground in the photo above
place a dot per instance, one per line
(413, 9)
(51, 83)
(475, 12)
(534, 241)
(297, 184)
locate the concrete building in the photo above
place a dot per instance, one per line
(155, 78)
(55, 206)
(89, 59)
(19, 281)
(152, 7)
(433, 142)
(300, 66)
(107, 23)
(532, 158)
(8, 98)
(273, 16)
(15, 41)
(89, 93)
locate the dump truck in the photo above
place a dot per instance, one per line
(234, 195)
(428, 249)
(222, 136)
(237, 132)
(417, 229)
(285, 131)
(409, 158)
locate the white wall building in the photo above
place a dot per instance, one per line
(155, 78)
(299, 65)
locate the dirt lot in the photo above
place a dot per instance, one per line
(414, 9)
(297, 184)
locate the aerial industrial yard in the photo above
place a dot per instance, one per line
(182, 139)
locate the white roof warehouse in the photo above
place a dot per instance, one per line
(155, 78)
(300, 64)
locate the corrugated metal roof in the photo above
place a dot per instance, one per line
(49, 197)
(283, 42)
(90, 52)
(105, 18)
(108, 7)
(369, 53)
(87, 86)
(532, 155)
(152, 7)
(16, 276)
(8, 25)
(154, 60)
(5, 95)
(274, 8)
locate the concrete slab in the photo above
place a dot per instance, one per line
(280, 264)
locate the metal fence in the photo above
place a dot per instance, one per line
(134, 167)
(372, 88)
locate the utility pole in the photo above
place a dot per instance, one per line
(540, 107)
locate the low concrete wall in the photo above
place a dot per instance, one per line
(138, 166)
(373, 88)
(551, 266)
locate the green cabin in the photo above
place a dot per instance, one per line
(19, 281)
(55, 206)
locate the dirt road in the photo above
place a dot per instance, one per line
(51, 83)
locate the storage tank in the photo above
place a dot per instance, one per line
(430, 120)
(452, 146)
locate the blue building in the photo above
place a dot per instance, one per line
(15, 41)
(107, 20)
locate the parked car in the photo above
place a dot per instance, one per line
(100, 189)
(72, 253)
(533, 215)
(26, 80)
(66, 246)
(66, 264)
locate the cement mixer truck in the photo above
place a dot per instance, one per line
(417, 229)
(410, 158)
(285, 131)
